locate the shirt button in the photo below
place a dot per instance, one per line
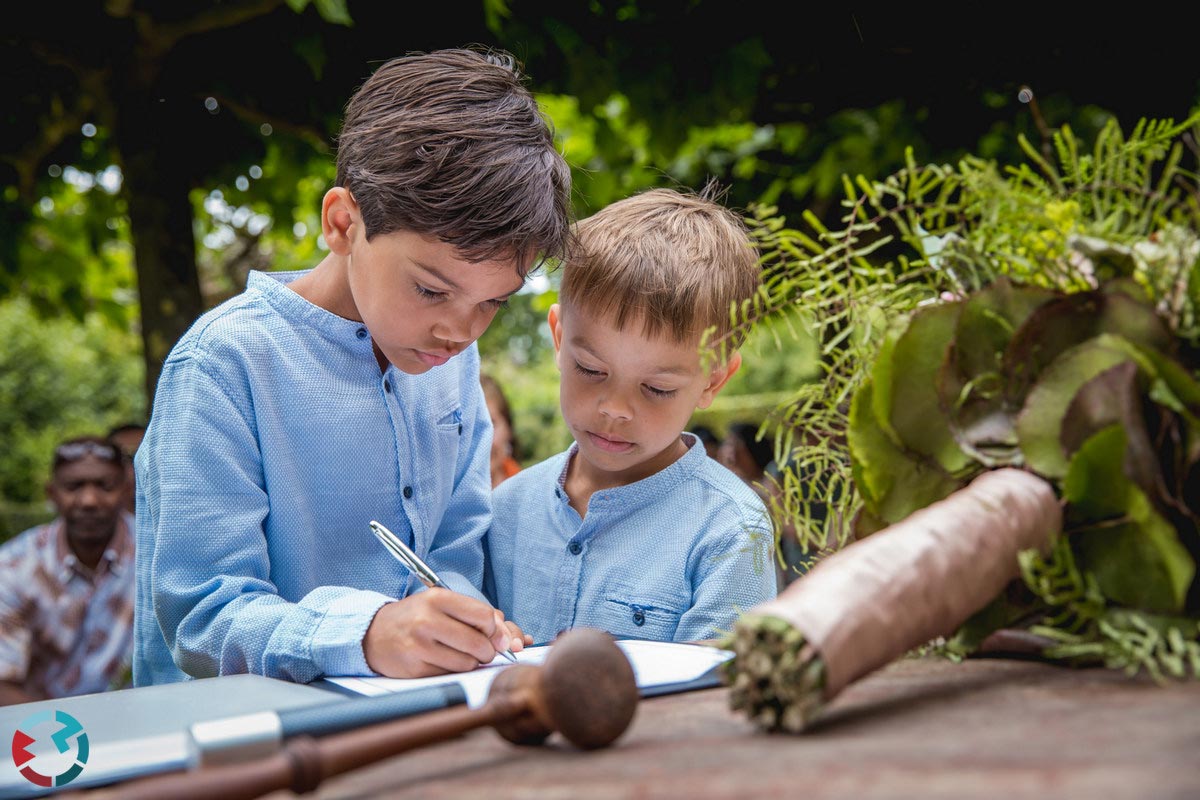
(407, 492)
(361, 333)
(387, 386)
(575, 548)
(639, 618)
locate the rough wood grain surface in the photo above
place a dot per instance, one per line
(919, 728)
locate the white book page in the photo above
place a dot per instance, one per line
(654, 664)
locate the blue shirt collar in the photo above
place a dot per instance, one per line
(273, 287)
(657, 484)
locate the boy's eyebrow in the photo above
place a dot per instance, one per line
(581, 343)
(435, 272)
(672, 371)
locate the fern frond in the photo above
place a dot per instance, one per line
(928, 229)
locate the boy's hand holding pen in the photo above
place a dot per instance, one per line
(436, 631)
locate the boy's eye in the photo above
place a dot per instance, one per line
(429, 294)
(660, 392)
(497, 304)
(587, 373)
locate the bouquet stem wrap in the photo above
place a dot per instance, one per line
(876, 599)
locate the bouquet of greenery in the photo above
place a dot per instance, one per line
(1007, 437)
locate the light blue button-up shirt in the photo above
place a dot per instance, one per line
(673, 557)
(274, 440)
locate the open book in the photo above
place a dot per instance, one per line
(658, 667)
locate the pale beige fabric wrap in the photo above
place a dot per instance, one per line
(918, 579)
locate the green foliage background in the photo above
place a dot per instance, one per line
(60, 378)
(640, 94)
(1043, 314)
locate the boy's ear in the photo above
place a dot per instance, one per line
(339, 213)
(554, 318)
(720, 375)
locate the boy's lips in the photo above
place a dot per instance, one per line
(433, 359)
(613, 445)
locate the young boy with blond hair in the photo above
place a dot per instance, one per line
(634, 529)
(292, 415)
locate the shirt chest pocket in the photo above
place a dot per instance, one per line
(639, 619)
(449, 422)
(442, 457)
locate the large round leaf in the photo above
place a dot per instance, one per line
(893, 483)
(1040, 422)
(906, 399)
(972, 384)
(1069, 321)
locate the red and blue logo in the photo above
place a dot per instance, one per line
(69, 736)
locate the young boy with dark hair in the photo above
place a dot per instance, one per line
(634, 529)
(290, 416)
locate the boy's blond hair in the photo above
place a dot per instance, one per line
(675, 261)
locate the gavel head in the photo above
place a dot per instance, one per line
(585, 690)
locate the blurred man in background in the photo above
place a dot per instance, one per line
(127, 438)
(67, 587)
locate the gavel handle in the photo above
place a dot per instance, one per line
(304, 761)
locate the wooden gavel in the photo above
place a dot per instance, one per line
(585, 690)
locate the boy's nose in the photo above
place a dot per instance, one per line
(614, 407)
(459, 328)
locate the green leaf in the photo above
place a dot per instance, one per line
(910, 403)
(1040, 422)
(334, 11)
(1003, 611)
(882, 380)
(495, 13)
(988, 322)
(1095, 485)
(1073, 319)
(892, 483)
(973, 381)
(1139, 563)
(1116, 396)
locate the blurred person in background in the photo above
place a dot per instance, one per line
(743, 452)
(67, 587)
(712, 445)
(127, 437)
(504, 439)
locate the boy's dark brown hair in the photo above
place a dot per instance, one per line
(674, 261)
(451, 144)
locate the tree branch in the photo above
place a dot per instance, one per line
(316, 138)
(159, 38)
(53, 130)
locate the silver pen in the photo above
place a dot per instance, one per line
(409, 559)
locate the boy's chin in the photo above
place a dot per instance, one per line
(409, 368)
(414, 362)
(621, 465)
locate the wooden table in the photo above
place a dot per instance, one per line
(920, 728)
